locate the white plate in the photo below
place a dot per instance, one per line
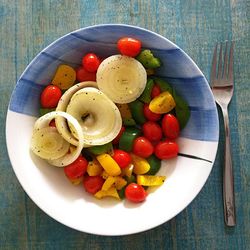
(54, 194)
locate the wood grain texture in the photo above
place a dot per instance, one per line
(28, 26)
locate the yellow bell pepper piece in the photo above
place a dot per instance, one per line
(112, 192)
(141, 165)
(162, 103)
(94, 168)
(109, 164)
(108, 183)
(65, 77)
(104, 175)
(150, 180)
(120, 182)
(128, 170)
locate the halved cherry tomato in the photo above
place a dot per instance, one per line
(117, 138)
(149, 115)
(155, 91)
(77, 168)
(166, 149)
(122, 158)
(135, 193)
(50, 96)
(129, 46)
(152, 131)
(170, 126)
(142, 147)
(93, 184)
(83, 75)
(91, 62)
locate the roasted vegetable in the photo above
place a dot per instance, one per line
(148, 60)
(162, 103)
(150, 180)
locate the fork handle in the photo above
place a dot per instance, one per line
(228, 179)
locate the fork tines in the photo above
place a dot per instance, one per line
(223, 71)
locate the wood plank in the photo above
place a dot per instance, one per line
(28, 26)
(12, 197)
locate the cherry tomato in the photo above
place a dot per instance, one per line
(77, 168)
(50, 96)
(129, 46)
(170, 126)
(152, 131)
(93, 184)
(91, 62)
(142, 147)
(117, 138)
(83, 75)
(135, 193)
(122, 158)
(149, 115)
(155, 91)
(166, 149)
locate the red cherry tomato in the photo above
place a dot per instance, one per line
(152, 131)
(91, 62)
(170, 126)
(155, 91)
(142, 147)
(166, 149)
(129, 46)
(77, 168)
(93, 184)
(50, 96)
(135, 193)
(149, 115)
(83, 75)
(117, 138)
(122, 158)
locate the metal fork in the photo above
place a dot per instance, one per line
(222, 84)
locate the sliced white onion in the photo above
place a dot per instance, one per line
(48, 144)
(61, 122)
(97, 115)
(121, 78)
(72, 155)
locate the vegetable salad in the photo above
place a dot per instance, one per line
(111, 122)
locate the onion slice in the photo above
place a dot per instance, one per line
(70, 155)
(61, 122)
(48, 144)
(121, 78)
(97, 115)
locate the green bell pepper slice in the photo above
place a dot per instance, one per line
(44, 111)
(155, 165)
(182, 110)
(164, 86)
(121, 193)
(148, 60)
(146, 94)
(101, 149)
(127, 139)
(131, 179)
(136, 108)
(128, 122)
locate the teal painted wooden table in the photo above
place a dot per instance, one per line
(28, 26)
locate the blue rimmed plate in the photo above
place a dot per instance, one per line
(48, 187)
